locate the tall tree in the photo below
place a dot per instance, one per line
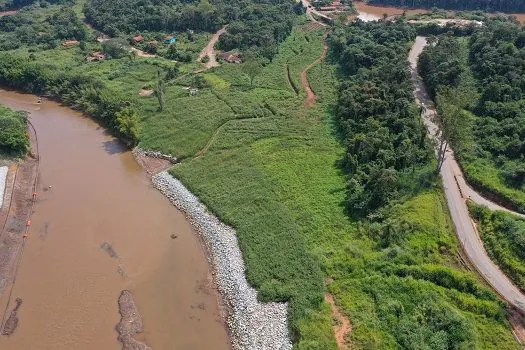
(251, 68)
(160, 90)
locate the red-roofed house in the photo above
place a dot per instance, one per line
(137, 39)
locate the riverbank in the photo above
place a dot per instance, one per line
(18, 200)
(87, 243)
(253, 325)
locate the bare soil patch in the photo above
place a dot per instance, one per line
(7, 13)
(152, 165)
(146, 92)
(209, 50)
(130, 323)
(343, 327)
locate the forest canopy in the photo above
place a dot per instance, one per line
(376, 114)
(258, 24)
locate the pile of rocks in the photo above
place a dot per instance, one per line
(130, 323)
(3, 180)
(154, 154)
(253, 325)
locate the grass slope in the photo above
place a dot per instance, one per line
(503, 235)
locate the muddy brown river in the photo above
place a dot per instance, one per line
(69, 284)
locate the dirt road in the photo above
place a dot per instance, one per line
(209, 50)
(310, 12)
(456, 200)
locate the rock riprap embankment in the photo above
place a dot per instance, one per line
(253, 325)
(154, 154)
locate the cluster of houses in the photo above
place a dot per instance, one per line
(170, 39)
(230, 56)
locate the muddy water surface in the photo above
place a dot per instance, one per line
(69, 285)
(377, 12)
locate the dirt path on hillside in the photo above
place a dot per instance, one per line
(209, 50)
(456, 197)
(7, 13)
(343, 327)
(310, 95)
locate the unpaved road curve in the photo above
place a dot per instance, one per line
(209, 50)
(310, 12)
(451, 173)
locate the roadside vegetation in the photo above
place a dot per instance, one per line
(503, 235)
(14, 141)
(337, 198)
(478, 85)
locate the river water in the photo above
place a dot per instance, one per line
(69, 284)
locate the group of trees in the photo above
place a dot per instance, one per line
(497, 56)
(84, 92)
(16, 4)
(440, 63)
(497, 60)
(260, 26)
(385, 140)
(122, 16)
(485, 5)
(257, 24)
(13, 136)
(27, 28)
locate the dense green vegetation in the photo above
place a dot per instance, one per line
(274, 170)
(13, 136)
(441, 64)
(386, 144)
(503, 235)
(258, 25)
(16, 4)
(486, 5)
(86, 92)
(45, 27)
(486, 75)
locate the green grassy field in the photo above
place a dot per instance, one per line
(276, 180)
